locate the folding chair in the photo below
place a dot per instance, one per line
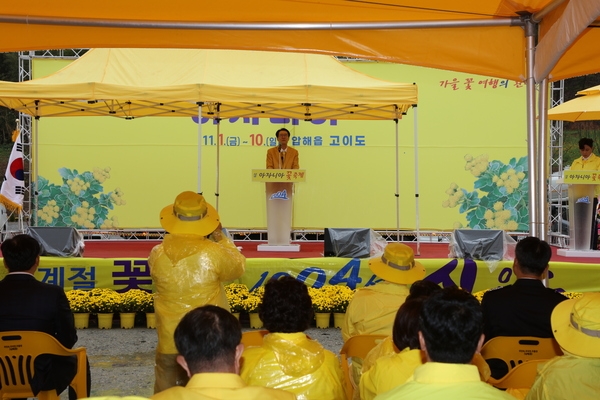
(520, 377)
(18, 350)
(514, 350)
(253, 338)
(357, 346)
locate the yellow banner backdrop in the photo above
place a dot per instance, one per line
(120, 174)
(123, 274)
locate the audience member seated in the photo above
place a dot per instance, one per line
(420, 288)
(208, 341)
(576, 325)
(450, 333)
(394, 369)
(373, 308)
(27, 304)
(523, 308)
(288, 359)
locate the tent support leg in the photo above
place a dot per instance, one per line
(218, 119)
(416, 140)
(530, 35)
(199, 177)
(543, 156)
(397, 185)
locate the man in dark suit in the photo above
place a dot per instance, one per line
(523, 308)
(29, 305)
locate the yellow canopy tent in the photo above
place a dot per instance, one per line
(485, 37)
(584, 108)
(133, 83)
(523, 40)
(130, 83)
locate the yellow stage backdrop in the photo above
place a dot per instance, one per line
(99, 172)
(133, 273)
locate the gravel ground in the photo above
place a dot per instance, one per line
(122, 360)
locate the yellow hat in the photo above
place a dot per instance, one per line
(397, 265)
(190, 214)
(576, 325)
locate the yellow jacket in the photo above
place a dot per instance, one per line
(591, 164)
(567, 377)
(293, 362)
(217, 386)
(388, 372)
(441, 381)
(373, 309)
(188, 271)
(394, 369)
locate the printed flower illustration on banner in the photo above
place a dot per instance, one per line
(80, 202)
(504, 189)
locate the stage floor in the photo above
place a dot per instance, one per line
(141, 249)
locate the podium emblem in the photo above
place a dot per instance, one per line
(584, 199)
(281, 195)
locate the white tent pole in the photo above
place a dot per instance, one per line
(397, 184)
(542, 183)
(530, 31)
(416, 140)
(261, 26)
(218, 155)
(199, 181)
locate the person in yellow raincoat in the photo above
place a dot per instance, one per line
(574, 375)
(372, 309)
(288, 359)
(188, 270)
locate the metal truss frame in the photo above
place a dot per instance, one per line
(557, 201)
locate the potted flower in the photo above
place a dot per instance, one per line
(147, 307)
(322, 305)
(341, 297)
(251, 305)
(104, 302)
(236, 293)
(79, 302)
(131, 302)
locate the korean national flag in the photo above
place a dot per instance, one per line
(13, 186)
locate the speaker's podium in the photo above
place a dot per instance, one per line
(582, 185)
(279, 188)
